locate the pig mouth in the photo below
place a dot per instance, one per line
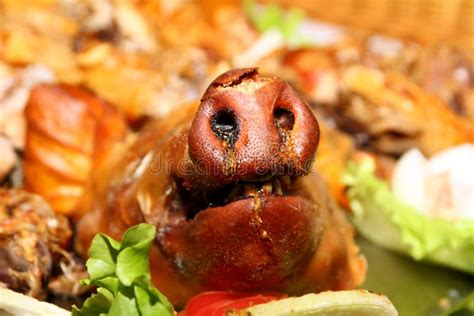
(251, 234)
(192, 203)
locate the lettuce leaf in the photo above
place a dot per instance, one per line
(121, 272)
(382, 218)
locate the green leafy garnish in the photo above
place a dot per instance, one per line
(121, 273)
(390, 223)
(273, 17)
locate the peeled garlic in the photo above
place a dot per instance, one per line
(442, 186)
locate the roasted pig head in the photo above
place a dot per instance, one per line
(229, 185)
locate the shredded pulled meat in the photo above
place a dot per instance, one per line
(33, 243)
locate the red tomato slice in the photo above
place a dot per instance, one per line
(217, 303)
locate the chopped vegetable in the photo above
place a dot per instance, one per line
(272, 17)
(121, 272)
(222, 303)
(279, 28)
(283, 28)
(356, 302)
(13, 303)
(388, 222)
(441, 186)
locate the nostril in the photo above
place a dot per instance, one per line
(284, 119)
(225, 126)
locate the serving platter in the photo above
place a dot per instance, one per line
(415, 288)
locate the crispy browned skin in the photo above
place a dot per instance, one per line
(224, 184)
(69, 131)
(335, 150)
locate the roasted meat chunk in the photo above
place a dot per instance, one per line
(32, 239)
(384, 110)
(398, 115)
(69, 130)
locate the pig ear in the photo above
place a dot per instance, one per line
(230, 78)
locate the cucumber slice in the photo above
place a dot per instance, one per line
(340, 303)
(17, 304)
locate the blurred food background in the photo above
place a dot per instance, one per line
(383, 77)
(428, 22)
